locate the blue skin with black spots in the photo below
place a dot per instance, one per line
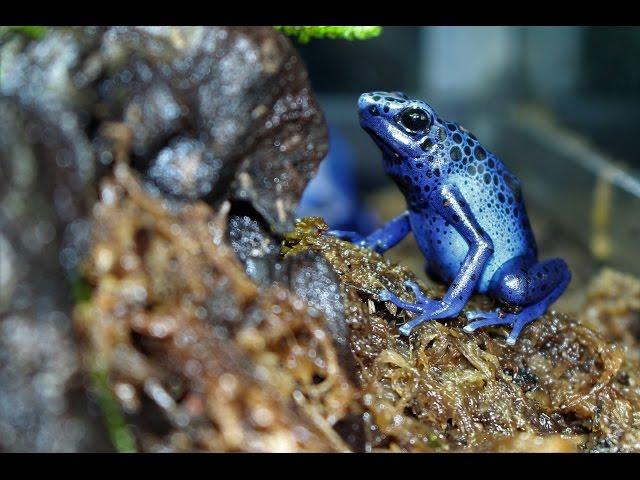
(466, 212)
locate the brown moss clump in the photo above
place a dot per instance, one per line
(197, 355)
(613, 308)
(562, 387)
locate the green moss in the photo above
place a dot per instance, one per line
(31, 31)
(80, 289)
(306, 33)
(117, 428)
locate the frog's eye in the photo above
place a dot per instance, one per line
(415, 119)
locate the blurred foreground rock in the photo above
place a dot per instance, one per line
(201, 113)
(613, 308)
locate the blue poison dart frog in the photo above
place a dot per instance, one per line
(467, 214)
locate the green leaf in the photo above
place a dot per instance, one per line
(306, 33)
(117, 428)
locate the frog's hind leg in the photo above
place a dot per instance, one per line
(533, 286)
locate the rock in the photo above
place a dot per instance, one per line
(239, 96)
(308, 275)
(202, 113)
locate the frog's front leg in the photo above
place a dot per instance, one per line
(382, 239)
(451, 205)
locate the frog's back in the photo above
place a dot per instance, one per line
(495, 198)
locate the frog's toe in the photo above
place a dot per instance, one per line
(411, 324)
(386, 296)
(431, 310)
(417, 291)
(486, 319)
(405, 329)
(475, 314)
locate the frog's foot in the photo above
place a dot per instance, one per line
(388, 296)
(485, 319)
(417, 307)
(517, 320)
(407, 327)
(433, 310)
(425, 308)
(481, 314)
(417, 292)
(420, 304)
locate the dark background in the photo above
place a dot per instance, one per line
(559, 105)
(588, 76)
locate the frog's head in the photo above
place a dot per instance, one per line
(401, 126)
